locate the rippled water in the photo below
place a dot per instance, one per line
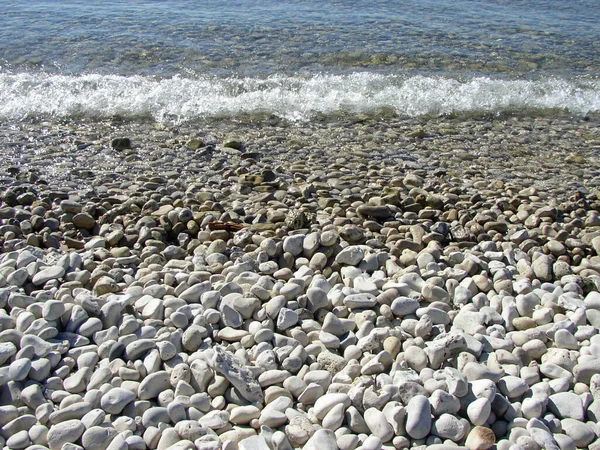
(189, 59)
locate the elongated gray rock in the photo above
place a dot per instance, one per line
(418, 417)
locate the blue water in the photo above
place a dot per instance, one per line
(184, 60)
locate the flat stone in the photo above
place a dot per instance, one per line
(373, 211)
(566, 405)
(45, 275)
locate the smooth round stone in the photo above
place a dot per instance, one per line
(155, 415)
(318, 261)
(286, 318)
(52, 310)
(532, 408)
(153, 385)
(317, 298)
(403, 306)
(334, 418)
(479, 411)
(433, 293)
(566, 405)
(19, 369)
(351, 255)
(476, 371)
(242, 415)
(214, 419)
(322, 439)
(564, 339)
(448, 426)
(324, 404)
(480, 438)
(18, 440)
(98, 438)
(443, 402)
(554, 371)
(372, 443)
(64, 432)
(564, 442)
(293, 244)
(581, 433)
(416, 358)
(584, 371)
(38, 434)
(418, 417)
(379, 425)
(116, 399)
(350, 442)
(329, 238)
(18, 277)
(512, 386)
(7, 350)
(272, 418)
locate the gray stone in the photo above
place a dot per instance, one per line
(566, 405)
(116, 399)
(64, 432)
(240, 377)
(542, 268)
(403, 306)
(448, 426)
(360, 301)
(418, 417)
(351, 255)
(153, 385)
(98, 438)
(45, 275)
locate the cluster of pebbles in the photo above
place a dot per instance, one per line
(360, 284)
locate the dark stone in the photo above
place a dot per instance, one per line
(375, 212)
(121, 143)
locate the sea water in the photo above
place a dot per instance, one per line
(172, 60)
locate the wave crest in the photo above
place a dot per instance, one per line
(27, 95)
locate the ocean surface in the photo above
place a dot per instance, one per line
(300, 60)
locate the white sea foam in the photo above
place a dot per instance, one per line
(29, 95)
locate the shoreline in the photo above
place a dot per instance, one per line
(488, 145)
(383, 283)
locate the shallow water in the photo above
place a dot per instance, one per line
(181, 60)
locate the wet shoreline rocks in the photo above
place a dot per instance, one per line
(350, 285)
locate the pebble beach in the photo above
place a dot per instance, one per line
(362, 282)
